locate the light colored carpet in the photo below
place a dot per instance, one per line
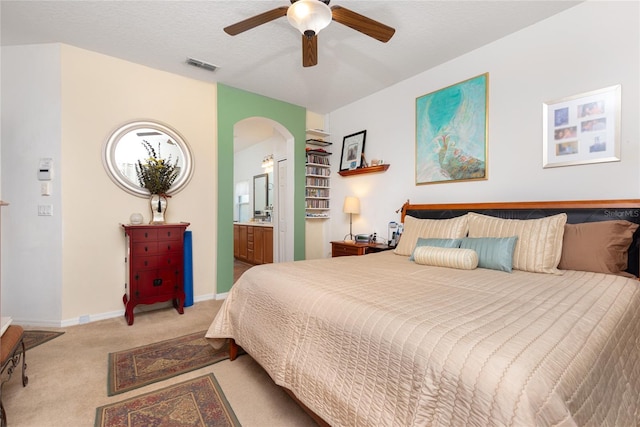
(68, 375)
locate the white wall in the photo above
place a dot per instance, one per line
(31, 129)
(590, 46)
(74, 99)
(248, 163)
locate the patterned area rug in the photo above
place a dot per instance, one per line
(140, 366)
(35, 338)
(197, 402)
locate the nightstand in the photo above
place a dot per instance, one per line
(341, 248)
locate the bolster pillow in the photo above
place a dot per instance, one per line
(464, 259)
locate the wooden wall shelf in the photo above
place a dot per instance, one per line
(370, 169)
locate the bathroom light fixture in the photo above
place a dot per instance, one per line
(267, 163)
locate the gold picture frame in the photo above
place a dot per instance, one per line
(451, 133)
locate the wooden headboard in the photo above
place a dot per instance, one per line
(578, 211)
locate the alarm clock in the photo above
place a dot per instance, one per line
(363, 238)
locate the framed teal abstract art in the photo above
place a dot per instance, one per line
(451, 133)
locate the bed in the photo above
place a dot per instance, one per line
(419, 336)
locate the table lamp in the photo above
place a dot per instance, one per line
(351, 206)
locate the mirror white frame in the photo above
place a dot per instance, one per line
(124, 134)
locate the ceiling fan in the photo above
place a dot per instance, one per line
(311, 16)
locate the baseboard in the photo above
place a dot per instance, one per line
(205, 297)
(89, 318)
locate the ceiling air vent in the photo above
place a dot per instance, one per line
(201, 64)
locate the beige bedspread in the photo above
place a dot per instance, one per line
(377, 340)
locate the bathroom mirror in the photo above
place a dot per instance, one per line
(125, 147)
(260, 196)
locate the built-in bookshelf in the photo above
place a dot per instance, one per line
(318, 175)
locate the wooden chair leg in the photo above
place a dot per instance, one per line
(233, 349)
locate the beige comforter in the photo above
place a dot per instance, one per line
(378, 340)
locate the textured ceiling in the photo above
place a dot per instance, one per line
(267, 60)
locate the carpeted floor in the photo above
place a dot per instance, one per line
(198, 402)
(67, 375)
(147, 364)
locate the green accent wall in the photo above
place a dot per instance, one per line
(235, 105)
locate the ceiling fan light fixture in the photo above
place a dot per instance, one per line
(309, 16)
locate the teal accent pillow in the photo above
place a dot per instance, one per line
(495, 253)
(438, 243)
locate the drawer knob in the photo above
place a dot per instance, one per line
(157, 282)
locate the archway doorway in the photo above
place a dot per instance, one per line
(255, 140)
(234, 105)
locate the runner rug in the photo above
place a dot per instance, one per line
(35, 338)
(197, 402)
(140, 366)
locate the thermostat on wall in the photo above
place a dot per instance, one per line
(45, 169)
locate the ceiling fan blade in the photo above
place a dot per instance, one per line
(254, 21)
(309, 51)
(363, 24)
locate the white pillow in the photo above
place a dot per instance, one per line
(414, 228)
(465, 259)
(539, 244)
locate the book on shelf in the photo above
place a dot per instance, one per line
(317, 204)
(317, 192)
(316, 216)
(318, 159)
(313, 181)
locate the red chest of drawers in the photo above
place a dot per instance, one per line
(155, 266)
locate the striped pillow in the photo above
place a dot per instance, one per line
(454, 228)
(539, 244)
(464, 259)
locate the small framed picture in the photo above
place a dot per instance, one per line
(582, 129)
(352, 150)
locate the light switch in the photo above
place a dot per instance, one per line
(45, 188)
(45, 210)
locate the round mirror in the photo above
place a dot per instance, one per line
(126, 146)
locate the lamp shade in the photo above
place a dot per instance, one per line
(351, 205)
(309, 16)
